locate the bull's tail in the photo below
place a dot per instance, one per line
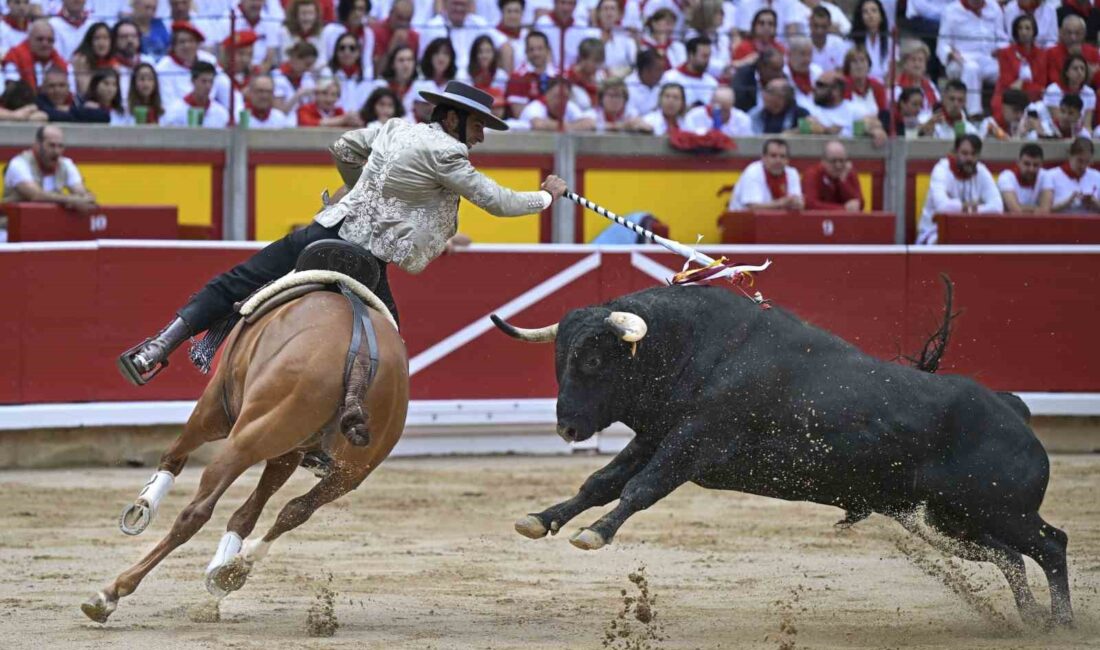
(932, 352)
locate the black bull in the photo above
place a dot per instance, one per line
(730, 396)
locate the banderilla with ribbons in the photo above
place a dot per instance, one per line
(709, 269)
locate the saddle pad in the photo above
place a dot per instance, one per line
(298, 278)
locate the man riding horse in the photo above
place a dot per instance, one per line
(402, 184)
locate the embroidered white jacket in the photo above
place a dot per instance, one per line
(405, 184)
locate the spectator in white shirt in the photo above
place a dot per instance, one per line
(199, 102)
(174, 70)
(671, 109)
(510, 35)
(871, 31)
(351, 16)
(620, 48)
(1074, 81)
(802, 71)
(382, 105)
(261, 108)
(828, 48)
(613, 112)
(804, 11)
(644, 83)
(959, 183)
(720, 114)
(13, 29)
(69, 26)
(769, 183)
(563, 18)
(1065, 122)
(1075, 186)
(1045, 13)
(831, 114)
(41, 174)
(347, 68)
(459, 25)
(251, 16)
(1024, 185)
(922, 17)
(949, 117)
(970, 32)
(693, 75)
(553, 108)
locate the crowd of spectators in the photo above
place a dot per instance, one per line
(942, 68)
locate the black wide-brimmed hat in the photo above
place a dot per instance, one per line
(466, 97)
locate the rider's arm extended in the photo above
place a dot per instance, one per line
(352, 150)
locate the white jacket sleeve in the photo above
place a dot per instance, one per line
(937, 190)
(456, 173)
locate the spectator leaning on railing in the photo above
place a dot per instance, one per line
(833, 183)
(42, 174)
(1075, 185)
(959, 183)
(769, 183)
(1025, 187)
(778, 112)
(719, 114)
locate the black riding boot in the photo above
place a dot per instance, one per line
(142, 362)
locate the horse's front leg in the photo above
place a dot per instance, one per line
(601, 488)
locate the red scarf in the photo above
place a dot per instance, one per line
(19, 25)
(190, 99)
(352, 72)
(288, 72)
(509, 32)
(47, 169)
(974, 6)
(250, 23)
(358, 32)
(958, 172)
(24, 61)
(399, 89)
(1020, 177)
(178, 62)
(73, 21)
(877, 90)
(260, 115)
(777, 185)
(614, 118)
(310, 115)
(688, 72)
(561, 24)
(483, 79)
(1072, 174)
(802, 81)
(588, 85)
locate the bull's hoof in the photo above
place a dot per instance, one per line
(228, 578)
(531, 527)
(99, 608)
(587, 540)
(136, 518)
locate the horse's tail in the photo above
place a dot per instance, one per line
(354, 421)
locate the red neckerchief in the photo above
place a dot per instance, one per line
(260, 115)
(687, 71)
(614, 119)
(288, 72)
(560, 24)
(310, 115)
(398, 89)
(483, 79)
(509, 32)
(877, 90)
(46, 168)
(925, 84)
(1023, 53)
(127, 63)
(106, 62)
(1072, 174)
(588, 84)
(357, 32)
(19, 25)
(250, 23)
(71, 21)
(777, 185)
(1020, 177)
(802, 81)
(974, 6)
(25, 61)
(178, 62)
(243, 83)
(190, 99)
(352, 71)
(958, 172)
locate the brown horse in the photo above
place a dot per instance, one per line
(278, 392)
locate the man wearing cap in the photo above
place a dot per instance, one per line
(403, 185)
(174, 70)
(237, 63)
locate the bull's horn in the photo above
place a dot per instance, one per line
(630, 327)
(540, 335)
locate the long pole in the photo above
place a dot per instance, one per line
(691, 254)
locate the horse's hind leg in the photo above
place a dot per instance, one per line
(299, 509)
(207, 422)
(230, 463)
(228, 570)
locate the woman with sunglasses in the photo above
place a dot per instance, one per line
(346, 66)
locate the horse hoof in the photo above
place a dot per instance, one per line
(531, 527)
(99, 608)
(135, 518)
(227, 578)
(587, 540)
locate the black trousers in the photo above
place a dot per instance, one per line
(215, 301)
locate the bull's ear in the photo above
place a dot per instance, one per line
(629, 327)
(540, 335)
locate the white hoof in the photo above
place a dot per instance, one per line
(136, 518)
(531, 527)
(227, 578)
(98, 607)
(587, 540)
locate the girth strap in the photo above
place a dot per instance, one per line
(360, 325)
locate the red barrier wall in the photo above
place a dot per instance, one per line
(1028, 322)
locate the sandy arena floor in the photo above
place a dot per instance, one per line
(424, 556)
